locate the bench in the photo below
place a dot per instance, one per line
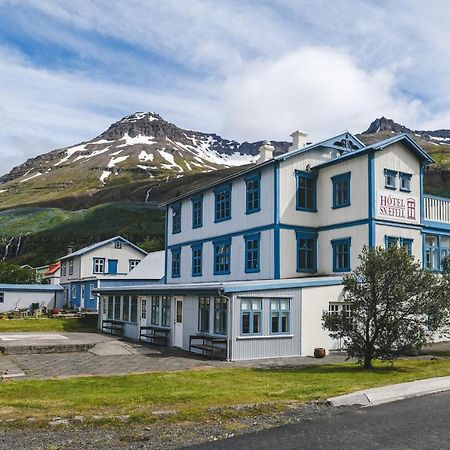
(113, 327)
(212, 346)
(154, 335)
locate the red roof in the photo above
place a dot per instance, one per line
(52, 268)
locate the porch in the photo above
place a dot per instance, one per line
(436, 209)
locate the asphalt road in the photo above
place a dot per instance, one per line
(417, 423)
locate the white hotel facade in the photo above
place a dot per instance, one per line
(253, 261)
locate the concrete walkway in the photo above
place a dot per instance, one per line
(392, 393)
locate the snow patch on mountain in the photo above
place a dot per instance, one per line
(30, 178)
(94, 153)
(140, 139)
(144, 156)
(113, 161)
(69, 152)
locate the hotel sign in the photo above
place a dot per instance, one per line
(397, 206)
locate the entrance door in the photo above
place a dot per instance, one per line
(143, 319)
(112, 266)
(178, 322)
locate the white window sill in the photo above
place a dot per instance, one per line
(265, 336)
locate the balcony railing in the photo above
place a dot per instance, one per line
(437, 209)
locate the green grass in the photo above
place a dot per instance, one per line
(45, 324)
(199, 396)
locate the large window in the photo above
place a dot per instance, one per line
(222, 257)
(176, 218)
(220, 315)
(197, 255)
(165, 311)
(197, 211)
(405, 182)
(252, 252)
(341, 190)
(341, 254)
(390, 179)
(279, 316)
(99, 265)
(176, 262)
(251, 314)
(117, 307)
(203, 314)
(110, 314)
(154, 315)
(222, 203)
(126, 308)
(253, 193)
(306, 191)
(306, 252)
(133, 309)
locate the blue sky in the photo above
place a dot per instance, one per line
(247, 70)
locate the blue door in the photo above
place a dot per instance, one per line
(112, 266)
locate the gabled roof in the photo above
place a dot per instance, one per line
(404, 138)
(52, 268)
(101, 244)
(31, 287)
(150, 268)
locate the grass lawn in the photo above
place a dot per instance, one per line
(198, 396)
(46, 324)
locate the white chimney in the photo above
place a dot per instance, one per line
(265, 152)
(298, 140)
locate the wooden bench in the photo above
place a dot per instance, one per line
(154, 335)
(212, 346)
(113, 327)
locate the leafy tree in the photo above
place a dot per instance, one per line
(14, 274)
(395, 306)
(152, 245)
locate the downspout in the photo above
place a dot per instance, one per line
(99, 309)
(229, 319)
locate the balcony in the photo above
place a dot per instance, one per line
(437, 209)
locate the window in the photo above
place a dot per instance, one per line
(63, 268)
(252, 252)
(143, 309)
(126, 308)
(176, 218)
(110, 307)
(251, 311)
(222, 257)
(83, 292)
(279, 316)
(222, 203)
(91, 294)
(117, 244)
(132, 263)
(405, 182)
(74, 292)
(133, 309)
(2, 297)
(176, 262)
(203, 314)
(306, 252)
(165, 310)
(407, 245)
(70, 266)
(306, 191)
(341, 308)
(341, 190)
(390, 241)
(432, 252)
(154, 318)
(99, 265)
(333, 308)
(220, 315)
(197, 211)
(341, 254)
(197, 253)
(117, 307)
(253, 193)
(390, 179)
(445, 248)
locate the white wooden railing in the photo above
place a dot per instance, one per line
(437, 209)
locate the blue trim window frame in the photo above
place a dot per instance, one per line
(251, 316)
(280, 312)
(197, 256)
(341, 254)
(393, 241)
(222, 257)
(306, 251)
(405, 181)
(220, 315)
(253, 193)
(252, 252)
(341, 190)
(222, 203)
(390, 179)
(176, 218)
(432, 260)
(407, 244)
(306, 191)
(197, 211)
(390, 241)
(176, 262)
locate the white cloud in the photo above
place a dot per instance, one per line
(319, 90)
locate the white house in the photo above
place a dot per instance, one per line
(252, 262)
(18, 296)
(82, 270)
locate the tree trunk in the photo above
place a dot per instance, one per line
(367, 362)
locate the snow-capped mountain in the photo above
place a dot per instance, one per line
(143, 145)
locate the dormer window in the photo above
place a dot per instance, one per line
(390, 179)
(405, 182)
(118, 244)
